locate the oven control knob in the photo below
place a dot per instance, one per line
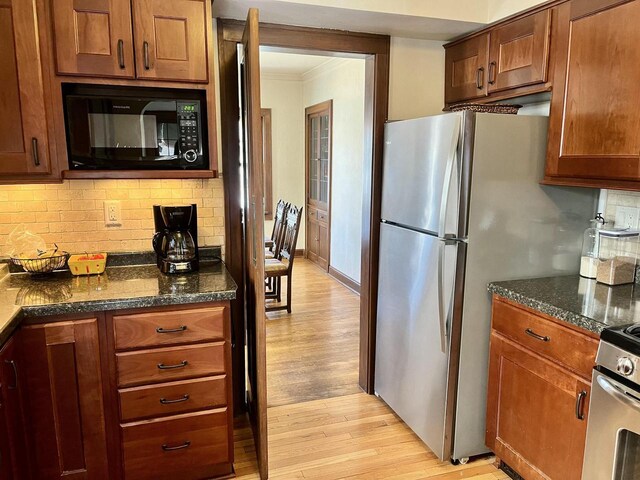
(625, 366)
(190, 156)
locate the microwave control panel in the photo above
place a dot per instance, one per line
(189, 128)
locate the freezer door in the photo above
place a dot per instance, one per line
(411, 368)
(420, 168)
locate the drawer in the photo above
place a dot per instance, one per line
(168, 327)
(323, 216)
(172, 398)
(545, 337)
(171, 363)
(183, 446)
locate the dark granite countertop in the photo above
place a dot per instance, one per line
(576, 300)
(118, 288)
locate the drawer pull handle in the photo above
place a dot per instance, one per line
(182, 364)
(167, 448)
(480, 78)
(181, 328)
(34, 151)
(533, 334)
(15, 374)
(582, 395)
(164, 401)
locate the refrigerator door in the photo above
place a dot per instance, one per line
(516, 229)
(420, 168)
(411, 368)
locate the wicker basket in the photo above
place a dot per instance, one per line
(503, 108)
(42, 265)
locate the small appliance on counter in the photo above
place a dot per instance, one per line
(176, 239)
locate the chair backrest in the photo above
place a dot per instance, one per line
(279, 227)
(277, 219)
(291, 229)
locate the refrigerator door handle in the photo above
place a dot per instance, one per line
(444, 203)
(444, 315)
(441, 315)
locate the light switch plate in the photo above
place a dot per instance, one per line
(112, 213)
(627, 217)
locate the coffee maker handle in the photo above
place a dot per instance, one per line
(157, 241)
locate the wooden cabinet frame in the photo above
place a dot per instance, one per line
(318, 213)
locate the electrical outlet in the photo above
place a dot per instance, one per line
(627, 217)
(112, 213)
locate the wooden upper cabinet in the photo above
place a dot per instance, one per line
(23, 121)
(594, 125)
(93, 37)
(466, 66)
(519, 52)
(171, 39)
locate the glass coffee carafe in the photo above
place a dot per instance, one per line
(175, 239)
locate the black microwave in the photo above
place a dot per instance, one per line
(135, 128)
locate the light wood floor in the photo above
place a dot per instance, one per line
(312, 352)
(355, 437)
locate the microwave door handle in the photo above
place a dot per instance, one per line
(617, 393)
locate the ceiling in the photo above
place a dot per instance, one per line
(410, 23)
(422, 19)
(292, 64)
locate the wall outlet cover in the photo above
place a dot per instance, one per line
(112, 213)
(627, 217)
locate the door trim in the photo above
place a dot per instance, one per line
(375, 49)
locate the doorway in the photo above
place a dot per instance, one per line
(309, 96)
(375, 51)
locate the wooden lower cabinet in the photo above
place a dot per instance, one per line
(317, 238)
(537, 408)
(174, 391)
(66, 404)
(90, 415)
(14, 457)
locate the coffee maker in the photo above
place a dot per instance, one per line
(176, 239)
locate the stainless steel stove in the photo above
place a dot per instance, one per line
(613, 430)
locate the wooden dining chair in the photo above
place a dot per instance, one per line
(271, 244)
(282, 266)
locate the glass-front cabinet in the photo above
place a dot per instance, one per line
(318, 181)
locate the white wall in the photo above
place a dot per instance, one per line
(342, 80)
(283, 95)
(416, 78)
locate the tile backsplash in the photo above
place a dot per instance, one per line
(619, 198)
(71, 214)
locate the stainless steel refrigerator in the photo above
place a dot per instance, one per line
(461, 206)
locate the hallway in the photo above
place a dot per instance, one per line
(312, 353)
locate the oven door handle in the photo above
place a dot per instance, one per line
(617, 393)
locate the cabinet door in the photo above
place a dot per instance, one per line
(594, 125)
(323, 245)
(466, 66)
(313, 231)
(171, 39)
(23, 124)
(93, 37)
(536, 413)
(519, 52)
(66, 406)
(12, 395)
